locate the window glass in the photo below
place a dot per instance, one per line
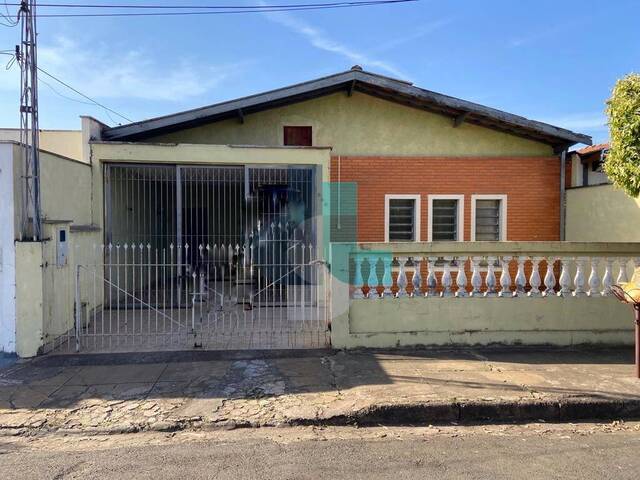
(402, 220)
(444, 216)
(487, 220)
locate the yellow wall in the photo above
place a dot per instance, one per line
(29, 298)
(65, 189)
(363, 125)
(67, 143)
(602, 214)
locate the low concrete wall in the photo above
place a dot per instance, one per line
(481, 321)
(29, 298)
(390, 322)
(602, 213)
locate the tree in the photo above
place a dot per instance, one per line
(623, 109)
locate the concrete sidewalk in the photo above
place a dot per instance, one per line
(194, 390)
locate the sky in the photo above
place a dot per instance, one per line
(553, 61)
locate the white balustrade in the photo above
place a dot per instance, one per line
(476, 278)
(573, 280)
(446, 281)
(387, 279)
(521, 279)
(578, 280)
(490, 279)
(372, 282)
(416, 280)
(550, 279)
(594, 279)
(622, 273)
(402, 277)
(607, 279)
(432, 281)
(461, 278)
(505, 278)
(534, 278)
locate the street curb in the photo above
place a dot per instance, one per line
(473, 412)
(412, 414)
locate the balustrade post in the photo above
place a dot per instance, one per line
(550, 279)
(387, 279)
(416, 280)
(358, 281)
(521, 279)
(447, 281)
(505, 278)
(490, 279)
(565, 278)
(432, 281)
(372, 281)
(461, 278)
(579, 280)
(476, 278)
(607, 279)
(594, 278)
(402, 277)
(534, 278)
(622, 272)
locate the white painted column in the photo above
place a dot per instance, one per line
(8, 212)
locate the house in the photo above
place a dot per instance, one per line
(596, 209)
(212, 226)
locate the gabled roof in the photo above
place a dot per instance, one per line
(353, 80)
(593, 148)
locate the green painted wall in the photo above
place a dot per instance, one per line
(363, 125)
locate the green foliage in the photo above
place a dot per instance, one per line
(623, 109)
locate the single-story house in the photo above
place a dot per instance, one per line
(215, 223)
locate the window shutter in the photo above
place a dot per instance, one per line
(488, 220)
(402, 220)
(444, 223)
(297, 136)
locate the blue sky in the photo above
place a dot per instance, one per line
(554, 61)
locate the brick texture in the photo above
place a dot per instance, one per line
(530, 183)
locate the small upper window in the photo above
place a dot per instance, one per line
(297, 136)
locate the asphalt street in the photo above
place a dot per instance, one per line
(540, 451)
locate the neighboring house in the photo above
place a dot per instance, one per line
(596, 209)
(586, 165)
(211, 224)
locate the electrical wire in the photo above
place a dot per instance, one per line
(220, 10)
(61, 82)
(90, 102)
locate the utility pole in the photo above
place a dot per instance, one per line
(27, 56)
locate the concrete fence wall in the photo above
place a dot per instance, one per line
(389, 321)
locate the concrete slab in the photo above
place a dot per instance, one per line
(113, 374)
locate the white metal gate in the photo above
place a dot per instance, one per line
(218, 258)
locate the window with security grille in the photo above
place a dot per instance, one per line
(444, 223)
(488, 220)
(402, 220)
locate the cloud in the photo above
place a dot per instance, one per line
(322, 41)
(416, 34)
(104, 72)
(536, 36)
(580, 121)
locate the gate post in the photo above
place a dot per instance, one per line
(78, 308)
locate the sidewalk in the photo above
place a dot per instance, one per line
(195, 390)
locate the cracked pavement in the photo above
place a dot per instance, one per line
(100, 395)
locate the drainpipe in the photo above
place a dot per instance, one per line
(563, 203)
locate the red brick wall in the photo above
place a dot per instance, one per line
(531, 184)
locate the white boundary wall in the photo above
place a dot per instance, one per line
(7, 252)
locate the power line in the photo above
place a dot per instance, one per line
(212, 7)
(61, 82)
(227, 11)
